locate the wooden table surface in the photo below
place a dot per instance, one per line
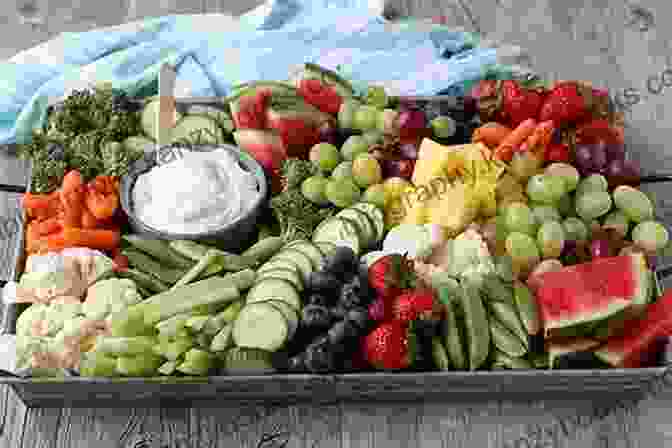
(615, 44)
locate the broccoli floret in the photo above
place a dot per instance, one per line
(294, 171)
(296, 215)
(117, 158)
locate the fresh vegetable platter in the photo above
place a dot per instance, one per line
(496, 242)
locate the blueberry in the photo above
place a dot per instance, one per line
(323, 281)
(342, 263)
(297, 363)
(318, 299)
(342, 332)
(315, 317)
(359, 317)
(319, 358)
(338, 312)
(350, 297)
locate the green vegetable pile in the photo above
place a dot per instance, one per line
(85, 132)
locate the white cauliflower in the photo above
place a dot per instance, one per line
(110, 296)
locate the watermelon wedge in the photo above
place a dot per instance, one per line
(633, 348)
(265, 146)
(591, 291)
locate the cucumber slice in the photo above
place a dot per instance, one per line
(222, 118)
(262, 326)
(310, 250)
(149, 119)
(339, 231)
(285, 274)
(302, 261)
(275, 288)
(369, 232)
(247, 361)
(291, 315)
(280, 264)
(197, 129)
(376, 216)
(326, 247)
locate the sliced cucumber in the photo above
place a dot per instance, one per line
(261, 326)
(376, 216)
(339, 231)
(247, 361)
(277, 289)
(302, 261)
(369, 232)
(285, 274)
(197, 128)
(326, 247)
(310, 250)
(222, 118)
(291, 315)
(272, 265)
(150, 117)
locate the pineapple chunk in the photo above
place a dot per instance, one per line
(455, 209)
(436, 160)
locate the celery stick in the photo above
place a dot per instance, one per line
(168, 368)
(203, 340)
(193, 273)
(124, 346)
(226, 261)
(157, 312)
(129, 322)
(172, 350)
(171, 327)
(144, 365)
(196, 323)
(243, 280)
(231, 312)
(97, 364)
(222, 340)
(264, 249)
(196, 362)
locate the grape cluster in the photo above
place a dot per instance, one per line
(336, 316)
(608, 160)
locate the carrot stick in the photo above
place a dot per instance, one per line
(516, 138)
(41, 205)
(72, 181)
(541, 137)
(93, 239)
(47, 226)
(490, 134)
(88, 220)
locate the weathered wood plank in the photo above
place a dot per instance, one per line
(391, 424)
(138, 9)
(460, 424)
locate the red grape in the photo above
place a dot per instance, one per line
(615, 151)
(329, 134)
(409, 151)
(568, 248)
(600, 248)
(599, 156)
(584, 157)
(411, 122)
(398, 168)
(616, 169)
(652, 262)
(631, 168)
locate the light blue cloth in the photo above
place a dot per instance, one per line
(344, 35)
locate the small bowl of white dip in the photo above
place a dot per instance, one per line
(213, 194)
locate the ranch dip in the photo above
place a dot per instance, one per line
(200, 192)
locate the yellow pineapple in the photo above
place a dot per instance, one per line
(455, 209)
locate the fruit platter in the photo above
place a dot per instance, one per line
(398, 246)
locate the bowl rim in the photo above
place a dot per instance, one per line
(248, 162)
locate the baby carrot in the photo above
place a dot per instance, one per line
(88, 220)
(491, 134)
(540, 138)
(47, 226)
(41, 205)
(92, 238)
(72, 181)
(516, 138)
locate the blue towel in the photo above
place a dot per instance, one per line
(267, 43)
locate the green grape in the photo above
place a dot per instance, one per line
(575, 229)
(314, 189)
(634, 203)
(346, 114)
(650, 235)
(543, 213)
(342, 192)
(519, 218)
(525, 165)
(546, 189)
(522, 249)
(343, 170)
(551, 239)
(443, 126)
(365, 117)
(594, 182)
(565, 205)
(366, 171)
(376, 97)
(593, 204)
(325, 156)
(375, 194)
(618, 222)
(372, 137)
(567, 172)
(354, 145)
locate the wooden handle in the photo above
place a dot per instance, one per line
(166, 110)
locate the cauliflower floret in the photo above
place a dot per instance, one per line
(110, 296)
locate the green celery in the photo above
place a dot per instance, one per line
(192, 274)
(143, 365)
(124, 346)
(189, 300)
(196, 362)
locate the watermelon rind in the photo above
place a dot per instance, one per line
(609, 306)
(570, 345)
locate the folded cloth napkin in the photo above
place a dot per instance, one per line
(213, 52)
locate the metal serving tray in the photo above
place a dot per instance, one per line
(451, 385)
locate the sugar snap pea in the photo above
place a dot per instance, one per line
(453, 338)
(160, 250)
(506, 341)
(510, 362)
(439, 354)
(496, 289)
(146, 264)
(476, 321)
(508, 316)
(527, 308)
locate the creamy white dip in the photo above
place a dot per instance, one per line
(200, 192)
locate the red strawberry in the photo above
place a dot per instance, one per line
(563, 104)
(250, 110)
(320, 95)
(391, 274)
(484, 88)
(519, 103)
(557, 152)
(415, 304)
(389, 347)
(598, 130)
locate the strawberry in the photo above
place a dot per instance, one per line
(320, 95)
(250, 110)
(565, 103)
(598, 130)
(390, 346)
(519, 103)
(415, 304)
(487, 96)
(391, 274)
(557, 152)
